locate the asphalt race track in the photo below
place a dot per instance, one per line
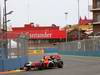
(73, 65)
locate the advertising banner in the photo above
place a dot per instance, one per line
(35, 52)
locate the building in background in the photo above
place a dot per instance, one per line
(40, 36)
(84, 27)
(96, 16)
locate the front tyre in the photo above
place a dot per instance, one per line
(26, 68)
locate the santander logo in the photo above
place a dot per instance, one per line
(41, 35)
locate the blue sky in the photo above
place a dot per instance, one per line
(45, 12)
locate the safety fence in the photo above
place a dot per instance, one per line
(12, 64)
(50, 50)
(13, 52)
(86, 47)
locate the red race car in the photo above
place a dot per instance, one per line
(47, 62)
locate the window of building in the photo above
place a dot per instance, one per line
(98, 3)
(98, 17)
(1, 42)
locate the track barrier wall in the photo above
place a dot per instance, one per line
(12, 64)
(50, 50)
(80, 53)
(87, 47)
(13, 52)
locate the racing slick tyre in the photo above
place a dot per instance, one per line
(32, 68)
(60, 64)
(26, 68)
(50, 65)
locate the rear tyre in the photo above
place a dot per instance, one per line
(60, 64)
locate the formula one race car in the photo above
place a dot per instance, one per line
(47, 62)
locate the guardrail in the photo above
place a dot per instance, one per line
(12, 64)
(87, 47)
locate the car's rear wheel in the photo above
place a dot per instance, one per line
(60, 64)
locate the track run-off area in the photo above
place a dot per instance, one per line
(73, 65)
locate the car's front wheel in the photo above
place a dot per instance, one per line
(26, 68)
